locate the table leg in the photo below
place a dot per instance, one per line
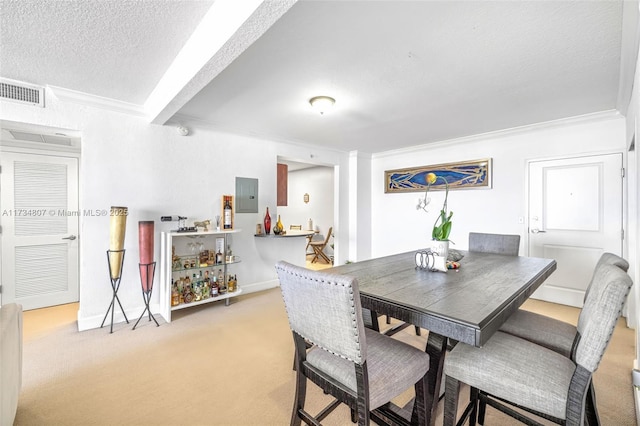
(436, 348)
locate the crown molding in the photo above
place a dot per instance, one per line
(514, 131)
(68, 95)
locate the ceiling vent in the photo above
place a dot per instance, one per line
(24, 93)
(35, 137)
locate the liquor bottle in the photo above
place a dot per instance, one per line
(222, 287)
(197, 288)
(215, 290)
(267, 222)
(175, 296)
(181, 290)
(219, 259)
(187, 291)
(227, 214)
(229, 254)
(206, 287)
(232, 284)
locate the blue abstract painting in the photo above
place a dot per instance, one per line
(466, 174)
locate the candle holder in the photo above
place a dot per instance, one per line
(147, 272)
(115, 275)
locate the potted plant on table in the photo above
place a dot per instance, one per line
(442, 225)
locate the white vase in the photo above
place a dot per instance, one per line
(440, 248)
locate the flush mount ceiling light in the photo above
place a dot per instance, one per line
(322, 103)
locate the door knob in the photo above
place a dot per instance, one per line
(537, 231)
(70, 237)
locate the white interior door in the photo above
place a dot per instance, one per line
(575, 214)
(39, 219)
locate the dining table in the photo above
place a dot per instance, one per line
(464, 305)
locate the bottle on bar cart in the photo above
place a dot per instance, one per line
(227, 214)
(222, 287)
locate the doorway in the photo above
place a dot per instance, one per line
(310, 201)
(39, 220)
(575, 215)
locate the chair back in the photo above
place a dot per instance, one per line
(613, 259)
(600, 313)
(494, 243)
(325, 309)
(607, 259)
(329, 233)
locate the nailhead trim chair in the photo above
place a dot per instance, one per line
(354, 364)
(551, 333)
(509, 370)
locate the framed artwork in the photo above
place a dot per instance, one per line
(461, 175)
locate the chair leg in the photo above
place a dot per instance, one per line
(473, 399)
(315, 254)
(418, 332)
(452, 389)
(482, 409)
(420, 414)
(301, 395)
(591, 414)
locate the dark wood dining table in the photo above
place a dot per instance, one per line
(465, 305)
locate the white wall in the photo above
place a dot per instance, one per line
(396, 224)
(318, 182)
(126, 161)
(633, 131)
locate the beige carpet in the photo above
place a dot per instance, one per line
(213, 365)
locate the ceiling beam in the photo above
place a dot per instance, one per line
(226, 31)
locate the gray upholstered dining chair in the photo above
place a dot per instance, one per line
(358, 366)
(507, 244)
(509, 370)
(551, 333)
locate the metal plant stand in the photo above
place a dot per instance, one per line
(150, 269)
(115, 285)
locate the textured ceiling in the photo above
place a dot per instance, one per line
(116, 49)
(406, 73)
(402, 72)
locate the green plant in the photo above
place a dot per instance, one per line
(442, 225)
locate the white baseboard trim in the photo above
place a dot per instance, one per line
(635, 382)
(94, 321)
(636, 398)
(264, 285)
(88, 323)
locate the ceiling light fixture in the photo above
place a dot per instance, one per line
(322, 103)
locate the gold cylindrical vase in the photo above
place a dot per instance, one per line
(118, 225)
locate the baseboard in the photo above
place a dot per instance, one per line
(264, 285)
(636, 398)
(635, 382)
(88, 323)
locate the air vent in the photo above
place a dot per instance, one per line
(24, 93)
(35, 137)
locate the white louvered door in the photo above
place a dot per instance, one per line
(40, 222)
